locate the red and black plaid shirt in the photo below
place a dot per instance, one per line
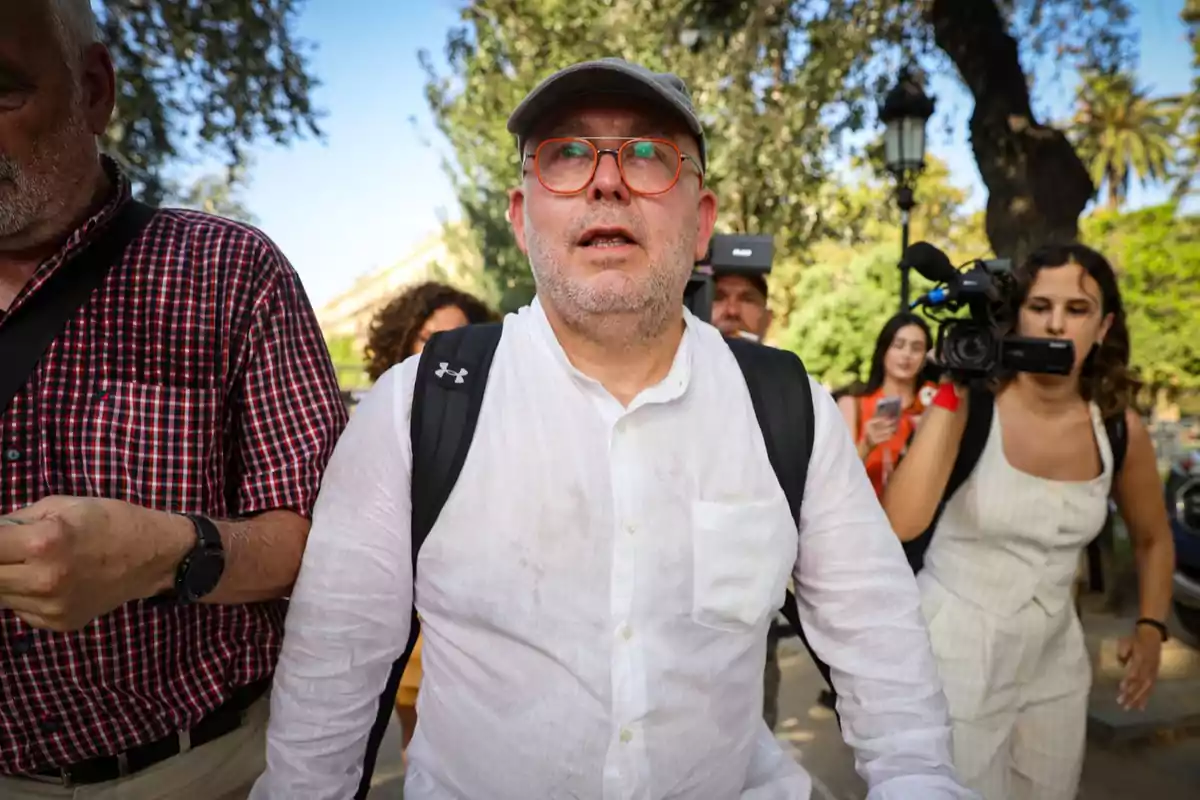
(195, 379)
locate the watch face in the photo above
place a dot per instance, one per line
(204, 572)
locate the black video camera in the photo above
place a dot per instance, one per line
(970, 349)
(749, 254)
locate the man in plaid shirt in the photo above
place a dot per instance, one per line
(158, 466)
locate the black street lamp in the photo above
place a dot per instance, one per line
(905, 111)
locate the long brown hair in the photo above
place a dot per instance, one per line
(1106, 377)
(884, 342)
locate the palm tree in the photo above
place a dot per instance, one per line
(1189, 165)
(1121, 133)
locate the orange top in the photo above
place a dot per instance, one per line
(883, 459)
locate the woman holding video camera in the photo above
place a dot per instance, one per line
(997, 575)
(883, 415)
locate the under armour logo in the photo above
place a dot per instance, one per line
(444, 369)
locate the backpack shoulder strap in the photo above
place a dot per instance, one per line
(448, 395)
(1118, 439)
(29, 330)
(451, 378)
(782, 397)
(974, 440)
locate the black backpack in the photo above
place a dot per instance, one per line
(974, 439)
(450, 383)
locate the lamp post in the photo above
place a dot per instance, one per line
(905, 112)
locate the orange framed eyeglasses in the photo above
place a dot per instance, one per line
(566, 165)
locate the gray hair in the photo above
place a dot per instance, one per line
(75, 23)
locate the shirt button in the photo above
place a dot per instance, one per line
(12, 454)
(49, 726)
(630, 527)
(22, 644)
(626, 632)
(626, 736)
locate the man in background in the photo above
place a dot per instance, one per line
(740, 305)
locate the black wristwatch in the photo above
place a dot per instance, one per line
(201, 569)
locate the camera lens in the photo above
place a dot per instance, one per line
(969, 348)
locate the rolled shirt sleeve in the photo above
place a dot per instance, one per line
(288, 410)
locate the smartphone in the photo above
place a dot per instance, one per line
(888, 407)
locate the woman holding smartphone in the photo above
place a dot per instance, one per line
(883, 416)
(997, 576)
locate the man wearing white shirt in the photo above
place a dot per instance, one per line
(595, 595)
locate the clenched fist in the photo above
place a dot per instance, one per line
(65, 561)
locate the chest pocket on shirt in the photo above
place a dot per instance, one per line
(743, 554)
(149, 443)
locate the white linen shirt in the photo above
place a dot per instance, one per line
(595, 597)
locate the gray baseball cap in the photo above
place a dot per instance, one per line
(608, 76)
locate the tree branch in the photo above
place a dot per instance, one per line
(1036, 183)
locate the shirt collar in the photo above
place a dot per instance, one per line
(671, 387)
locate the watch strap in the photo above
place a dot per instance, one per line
(208, 536)
(208, 544)
(1153, 623)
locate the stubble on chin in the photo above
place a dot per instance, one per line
(42, 190)
(612, 307)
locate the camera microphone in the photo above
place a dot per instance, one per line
(929, 262)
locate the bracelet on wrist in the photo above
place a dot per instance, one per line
(1153, 623)
(946, 397)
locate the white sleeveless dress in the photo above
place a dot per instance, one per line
(996, 594)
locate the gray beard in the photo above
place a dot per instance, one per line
(42, 189)
(623, 316)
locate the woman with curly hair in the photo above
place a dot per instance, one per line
(998, 572)
(399, 330)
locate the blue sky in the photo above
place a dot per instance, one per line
(373, 188)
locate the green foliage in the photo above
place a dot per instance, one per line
(1123, 133)
(764, 104)
(348, 362)
(846, 302)
(218, 194)
(219, 73)
(1156, 252)
(850, 285)
(851, 291)
(1189, 166)
(778, 84)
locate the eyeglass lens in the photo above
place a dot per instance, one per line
(648, 167)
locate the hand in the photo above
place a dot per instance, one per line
(1141, 654)
(879, 430)
(71, 560)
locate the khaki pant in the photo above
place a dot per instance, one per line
(224, 769)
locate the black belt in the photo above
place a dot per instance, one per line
(226, 718)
